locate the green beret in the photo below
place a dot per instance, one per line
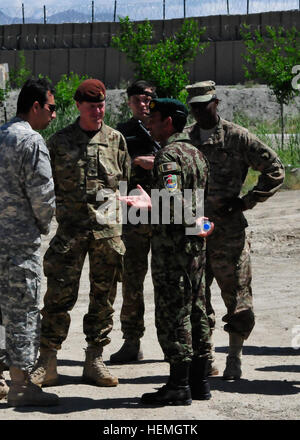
(167, 106)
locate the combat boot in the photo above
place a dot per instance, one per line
(22, 392)
(3, 385)
(212, 370)
(95, 371)
(199, 384)
(45, 371)
(176, 391)
(233, 368)
(129, 352)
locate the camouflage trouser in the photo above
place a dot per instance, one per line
(180, 315)
(20, 278)
(228, 261)
(137, 242)
(63, 264)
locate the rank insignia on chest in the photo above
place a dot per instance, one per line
(168, 166)
(171, 182)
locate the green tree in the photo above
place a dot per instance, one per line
(271, 59)
(65, 89)
(21, 74)
(163, 63)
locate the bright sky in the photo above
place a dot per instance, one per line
(140, 9)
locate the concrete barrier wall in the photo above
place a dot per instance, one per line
(84, 48)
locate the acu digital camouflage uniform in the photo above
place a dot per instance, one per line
(82, 166)
(231, 150)
(137, 240)
(178, 260)
(26, 207)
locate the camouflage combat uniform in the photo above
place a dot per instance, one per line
(27, 205)
(178, 261)
(82, 165)
(137, 240)
(231, 150)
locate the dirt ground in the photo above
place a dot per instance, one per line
(269, 389)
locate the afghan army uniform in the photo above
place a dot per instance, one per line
(83, 167)
(231, 150)
(137, 240)
(177, 264)
(27, 204)
(178, 260)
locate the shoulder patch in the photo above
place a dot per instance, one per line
(171, 183)
(168, 166)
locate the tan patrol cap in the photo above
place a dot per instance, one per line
(201, 91)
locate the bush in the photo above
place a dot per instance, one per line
(18, 76)
(65, 89)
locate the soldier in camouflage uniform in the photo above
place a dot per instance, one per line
(178, 263)
(137, 238)
(89, 159)
(27, 205)
(231, 150)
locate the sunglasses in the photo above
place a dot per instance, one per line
(51, 108)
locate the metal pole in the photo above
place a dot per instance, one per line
(185, 10)
(23, 15)
(248, 6)
(228, 7)
(45, 19)
(115, 10)
(92, 12)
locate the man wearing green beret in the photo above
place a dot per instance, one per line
(178, 259)
(230, 150)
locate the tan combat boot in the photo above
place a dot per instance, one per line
(22, 392)
(95, 371)
(213, 369)
(233, 368)
(45, 371)
(3, 385)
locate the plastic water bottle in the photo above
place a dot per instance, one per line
(205, 225)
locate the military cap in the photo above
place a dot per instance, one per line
(90, 90)
(202, 91)
(167, 106)
(139, 88)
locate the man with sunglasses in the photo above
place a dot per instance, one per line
(89, 159)
(27, 205)
(231, 150)
(137, 238)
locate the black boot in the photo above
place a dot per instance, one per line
(199, 384)
(129, 352)
(176, 391)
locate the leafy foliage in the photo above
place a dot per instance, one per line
(65, 89)
(163, 63)
(21, 74)
(271, 60)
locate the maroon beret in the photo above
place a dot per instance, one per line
(90, 90)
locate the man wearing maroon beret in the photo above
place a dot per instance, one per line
(89, 160)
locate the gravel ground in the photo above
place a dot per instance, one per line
(255, 102)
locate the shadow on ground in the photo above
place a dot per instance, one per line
(264, 351)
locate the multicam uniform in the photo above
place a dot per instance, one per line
(178, 260)
(27, 205)
(82, 165)
(230, 151)
(137, 240)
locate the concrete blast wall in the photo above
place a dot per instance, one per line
(84, 48)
